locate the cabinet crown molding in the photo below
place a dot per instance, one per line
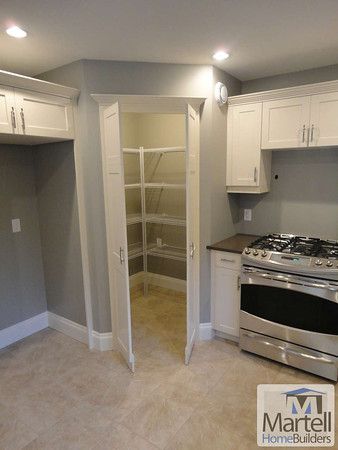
(15, 80)
(276, 94)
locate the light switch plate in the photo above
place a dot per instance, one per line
(248, 215)
(16, 225)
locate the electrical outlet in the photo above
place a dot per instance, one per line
(159, 242)
(16, 225)
(248, 215)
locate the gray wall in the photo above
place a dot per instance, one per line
(22, 293)
(59, 226)
(148, 78)
(318, 75)
(304, 199)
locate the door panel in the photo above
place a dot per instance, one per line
(116, 225)
(192, 201)
(324, 122)
(290, 308)
(7, 111)
(245, 145)
(285, 123)
(44, 115)
(226, 300)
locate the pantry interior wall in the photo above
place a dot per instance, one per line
(156, 131)
(41, 265)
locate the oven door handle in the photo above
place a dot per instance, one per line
(288, 350)
(291, 280)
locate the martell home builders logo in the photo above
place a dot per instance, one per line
(291, 415)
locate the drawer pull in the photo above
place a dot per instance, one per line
(228, 260)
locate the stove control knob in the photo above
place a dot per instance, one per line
(255, 253)
(329, 264)
(264, 253)
(247, 251)
(318, 262)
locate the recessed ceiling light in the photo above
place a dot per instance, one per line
(16, 32)
(220, 55)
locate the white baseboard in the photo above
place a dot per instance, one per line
(159, 280)
(68, 327)
(102, 341)
(23, 329)
(206, 332)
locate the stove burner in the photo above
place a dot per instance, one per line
(297, 245)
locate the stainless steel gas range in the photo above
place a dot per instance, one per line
(289, 302)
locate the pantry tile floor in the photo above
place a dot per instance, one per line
(56, 394)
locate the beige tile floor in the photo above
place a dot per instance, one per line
(56, 394)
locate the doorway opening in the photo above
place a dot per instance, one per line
(154, 160)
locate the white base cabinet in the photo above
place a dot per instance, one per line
(225, 292)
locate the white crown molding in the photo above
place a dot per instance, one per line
(149, 103)
(23, 329)
(206, 332)
(275, 94)
(34, 84)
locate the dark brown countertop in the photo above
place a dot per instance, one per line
(234, 244)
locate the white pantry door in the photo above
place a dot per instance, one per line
(192, 182)
(116, 225)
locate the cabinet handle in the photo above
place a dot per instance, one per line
(303, 139)
(255, 174)
(312, 128)
(13, 118)
(228, 260)
(239, 282)
(22, 114)
(121, 255)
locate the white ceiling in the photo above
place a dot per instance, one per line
(264, 37)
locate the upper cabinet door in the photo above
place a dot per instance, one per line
(8, 123)
(44, 115)
(244, 141)
(286, 123)
(324, 120)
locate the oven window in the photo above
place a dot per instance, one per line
(291, 308)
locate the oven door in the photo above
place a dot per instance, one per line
(296, 309)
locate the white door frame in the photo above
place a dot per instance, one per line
(152, 104)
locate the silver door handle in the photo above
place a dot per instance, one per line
(238, 282)
(22, 114)
(255, 174)
(312, 128)
(121, 255)
(228, 260)
(13, 118)
(192, 249)
(303, 139)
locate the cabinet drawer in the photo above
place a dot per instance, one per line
(228, 260)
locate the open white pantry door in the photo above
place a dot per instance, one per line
(192, 129)
(116, 225)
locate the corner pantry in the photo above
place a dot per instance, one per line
(154, 157)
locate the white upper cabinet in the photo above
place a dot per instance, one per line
(7, 112)
(44, 115)
(323, 126)
(246, 165)
(286, 123)
(33, 111)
